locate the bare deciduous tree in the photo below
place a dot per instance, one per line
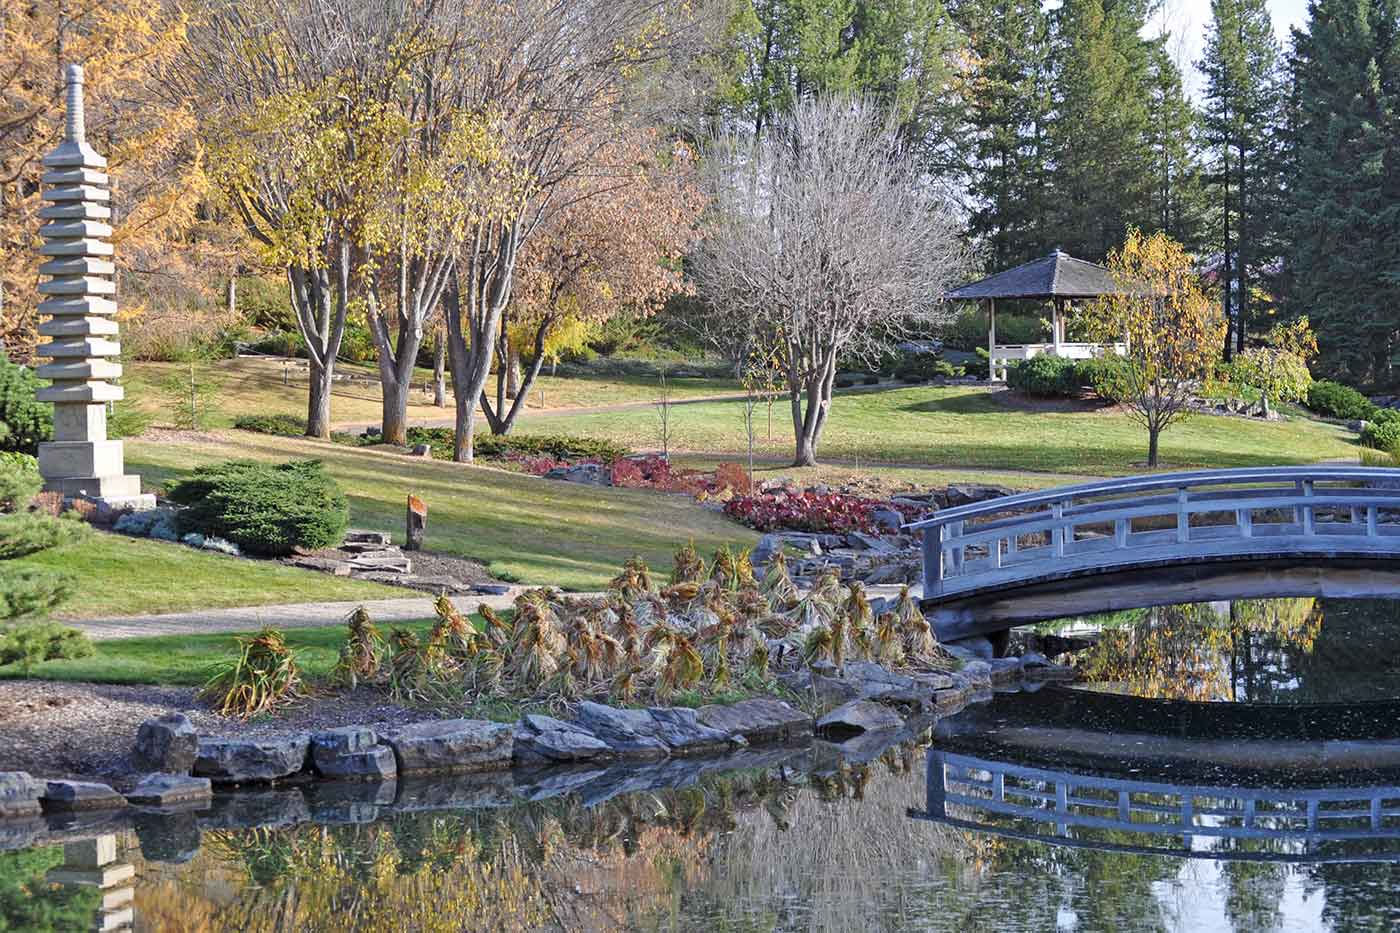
(823, 237)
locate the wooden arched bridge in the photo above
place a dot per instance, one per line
(1318, 513)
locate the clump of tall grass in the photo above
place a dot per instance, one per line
(362, 655)
(262, 677)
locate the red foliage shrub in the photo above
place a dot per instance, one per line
(735, 477)
(809, 511)
(627, 473)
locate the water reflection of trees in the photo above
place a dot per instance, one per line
(1246, 651)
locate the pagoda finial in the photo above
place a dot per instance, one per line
(76, 130)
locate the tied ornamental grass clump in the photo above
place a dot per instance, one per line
(266, 509)
(262, 677)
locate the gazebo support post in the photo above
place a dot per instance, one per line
(1056, 322)
(991, 339)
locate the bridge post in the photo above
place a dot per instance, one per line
(934, 786)
(1307, 509)
(1057, 534)
(1183, 522)
(933, 559)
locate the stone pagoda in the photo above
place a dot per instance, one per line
(80, 462)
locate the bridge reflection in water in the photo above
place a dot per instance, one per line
(1304, 824)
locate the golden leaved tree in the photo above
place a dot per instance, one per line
(1172, 330)
(146, 134)
(613, 246)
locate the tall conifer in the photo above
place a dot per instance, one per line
(1342, 216)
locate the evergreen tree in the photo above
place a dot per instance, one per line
(1102, 161)
(1342, 216)
(1242, 101)
(1178, 196)
(1006, 92)
(901, 52)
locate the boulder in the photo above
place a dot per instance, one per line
(681, 729)
(589, 474)
(19, 794)
(857, 717)
(1004, 671)
(166, 790)
(889, 574)
(976, 675)
(873, 681)
(1034, 659)
(628, 732)
(167, 744)
(651, 733)
(758, 720)
(352, 753)
(491, 589)
(970, 649)
(452, 746)
(544, 738)
(870, 543)
(235, 761)
(887, 520)
(81, 795)
(968, 493)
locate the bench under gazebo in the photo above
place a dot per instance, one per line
(1058, 278)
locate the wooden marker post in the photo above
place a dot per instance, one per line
(417, 523)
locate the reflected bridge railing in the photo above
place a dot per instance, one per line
(1150, 817)
(1159, 520)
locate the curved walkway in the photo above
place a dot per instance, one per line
(296, 615)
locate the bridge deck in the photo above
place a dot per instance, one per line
(1161, 520)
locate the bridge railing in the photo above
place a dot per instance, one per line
(1173, 517)
(1148, 816)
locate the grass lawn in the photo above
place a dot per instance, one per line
(119, 576)
(523, 528)
(257, 385)
(188, 660)
(885, 479)
(965, 427)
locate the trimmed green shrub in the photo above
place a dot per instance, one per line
(281, 425)
(24, 421)
(1385, 416)
(280, 343)
(20, 481)
(31, 591)
(1107, 375)
(268, 509)
(1339, 401)
(922, 367)
(1044, 376)
(29, 532)
(1382, 435)
(503, 446)
(31, 643)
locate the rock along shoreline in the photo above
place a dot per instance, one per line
(356, 771)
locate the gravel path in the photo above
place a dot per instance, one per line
(86, 731)
(297, 615)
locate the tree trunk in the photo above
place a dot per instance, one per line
(474, 320)
(1152, 434)
(395, 412)
(440, 372)
(502, 421)
(512, 364)
(318, 405)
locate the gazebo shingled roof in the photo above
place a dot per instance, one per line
(1058, 275)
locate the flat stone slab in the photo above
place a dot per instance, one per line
(452, 746)
(166, 790)
(758, 720)
(19, 795)
(857, 717)
(81, 795)
(233, 761)
(167, 744)
(546, 739)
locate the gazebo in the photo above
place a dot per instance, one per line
(1058, 278)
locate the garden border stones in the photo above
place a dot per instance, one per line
(235, 761)
(450, 746)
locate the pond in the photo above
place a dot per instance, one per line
(1211, 796)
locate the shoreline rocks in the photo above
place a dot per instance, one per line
(238, 761)
(452, 746)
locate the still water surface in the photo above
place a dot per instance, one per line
(972, 826)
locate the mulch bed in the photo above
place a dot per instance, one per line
(84, 731)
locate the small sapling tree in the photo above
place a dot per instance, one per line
(1172, 329)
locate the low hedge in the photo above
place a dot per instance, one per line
(1055, 376)
(281, 425)
(503, 446)
(1382, 435)
(1339, 401)
(267, 509)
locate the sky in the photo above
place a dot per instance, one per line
(1187, 20)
